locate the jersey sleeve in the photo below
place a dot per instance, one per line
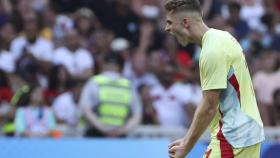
(213, 70)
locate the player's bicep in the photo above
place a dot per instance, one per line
(212, 97)
(213, 71)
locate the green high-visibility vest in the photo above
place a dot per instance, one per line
(114, 100)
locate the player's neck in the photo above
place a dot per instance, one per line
(199, 31)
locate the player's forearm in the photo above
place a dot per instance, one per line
(202, 118)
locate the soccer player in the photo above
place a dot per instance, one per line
(228, 105)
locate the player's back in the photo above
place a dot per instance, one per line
(223, 66)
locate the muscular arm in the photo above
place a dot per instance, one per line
(202, 118)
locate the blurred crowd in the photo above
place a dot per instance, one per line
(51, 50)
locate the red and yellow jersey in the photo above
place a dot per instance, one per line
(223, 66)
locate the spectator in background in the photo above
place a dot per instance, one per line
(32, 53)
(7, 61)
(157, 58)
(57, 80)
(240, 26)
(35, 119)
(150, 36)
(61, 25)
(77, 60)
(182, 58)
(276, 108)
(31, 48)
(123, 21)
(99, 45)
(108, 101)
(100, 41)
(251, 11)
(271, 36)
(139, 73)
(270, 77)
(252, 45)
(6, 109)
(172, 100)
(48, 22)
(29, 79)
(65, 106)
(149, 114)
(86, 23)
(8, 33)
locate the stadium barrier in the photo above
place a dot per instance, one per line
(143, 142)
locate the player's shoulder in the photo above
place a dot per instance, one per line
(215, 37)
(218, 33)
(222, 37)
(214, 42)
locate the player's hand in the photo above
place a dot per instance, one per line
(177, 149)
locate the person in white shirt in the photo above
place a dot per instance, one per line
(31, 45)
(65, 106)
(172, 100)
(7, 61)
(34, 119)
(77, 60)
